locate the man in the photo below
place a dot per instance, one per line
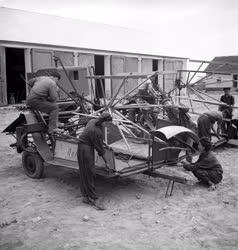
(227, 110)
(145, 94)
(229, 100)
(91, 139)
(206, 123)
(207, 168)
(43, 97)
(178, 115)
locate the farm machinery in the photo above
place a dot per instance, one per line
(139, 146)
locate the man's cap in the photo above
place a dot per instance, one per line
(54, 73)
(48, 72)
(105, 117)
(226, 88)
(183, 108)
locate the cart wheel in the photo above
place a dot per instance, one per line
(32, 164)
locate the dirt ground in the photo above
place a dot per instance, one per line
(48, 213)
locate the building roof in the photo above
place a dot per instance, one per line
(42, 29)
(226, 64)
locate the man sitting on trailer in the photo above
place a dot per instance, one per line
(91, 139)
(207, 169)
(43, 96)
(206, 123)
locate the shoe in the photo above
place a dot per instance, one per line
(86, 200)
(97, 204)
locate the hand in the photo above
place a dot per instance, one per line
(180, 164)
(212, 187)
(107, 165)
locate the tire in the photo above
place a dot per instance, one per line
(33, 164)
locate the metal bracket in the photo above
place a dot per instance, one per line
(169, 187)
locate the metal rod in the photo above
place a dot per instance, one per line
(194, 73)
(128, 121)
(203, 78)
(128, 130)
(213, 103)
(209, 96)
(224, 81)
(103, 92)
(66, 73)
(205, 72)
(132, 75)
(190, 101)
(115, 95)
(199, 96)
(91, 82)
(129, 92)
(167, 190)
(124, 138)
(172, 188)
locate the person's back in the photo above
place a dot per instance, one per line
(44, 87)
(43, 96)
(206, 121)
(214, 116)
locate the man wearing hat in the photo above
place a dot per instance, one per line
(228, 99)
(207, 169)
(43, 96)
(91, 139)
(227, 110)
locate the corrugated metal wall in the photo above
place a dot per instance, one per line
(169, 80)
(131, 65)
(146, 65)
(67, 58)
(123, 65)
(42, 59)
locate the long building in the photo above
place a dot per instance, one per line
(29, 40)
(222, 64)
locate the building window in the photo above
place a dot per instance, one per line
(76, 75)
(235, 81)
(219, 80)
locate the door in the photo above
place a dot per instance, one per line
(42, 59)
(3, 86)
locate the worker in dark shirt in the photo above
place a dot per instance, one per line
(207, 168)
(227, 110)
(228, 99)
(43, 97)
(206, 123)
(91, 139)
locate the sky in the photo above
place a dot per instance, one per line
(197, 29)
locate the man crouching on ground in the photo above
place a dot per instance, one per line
(207, 168)
(91, 139)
